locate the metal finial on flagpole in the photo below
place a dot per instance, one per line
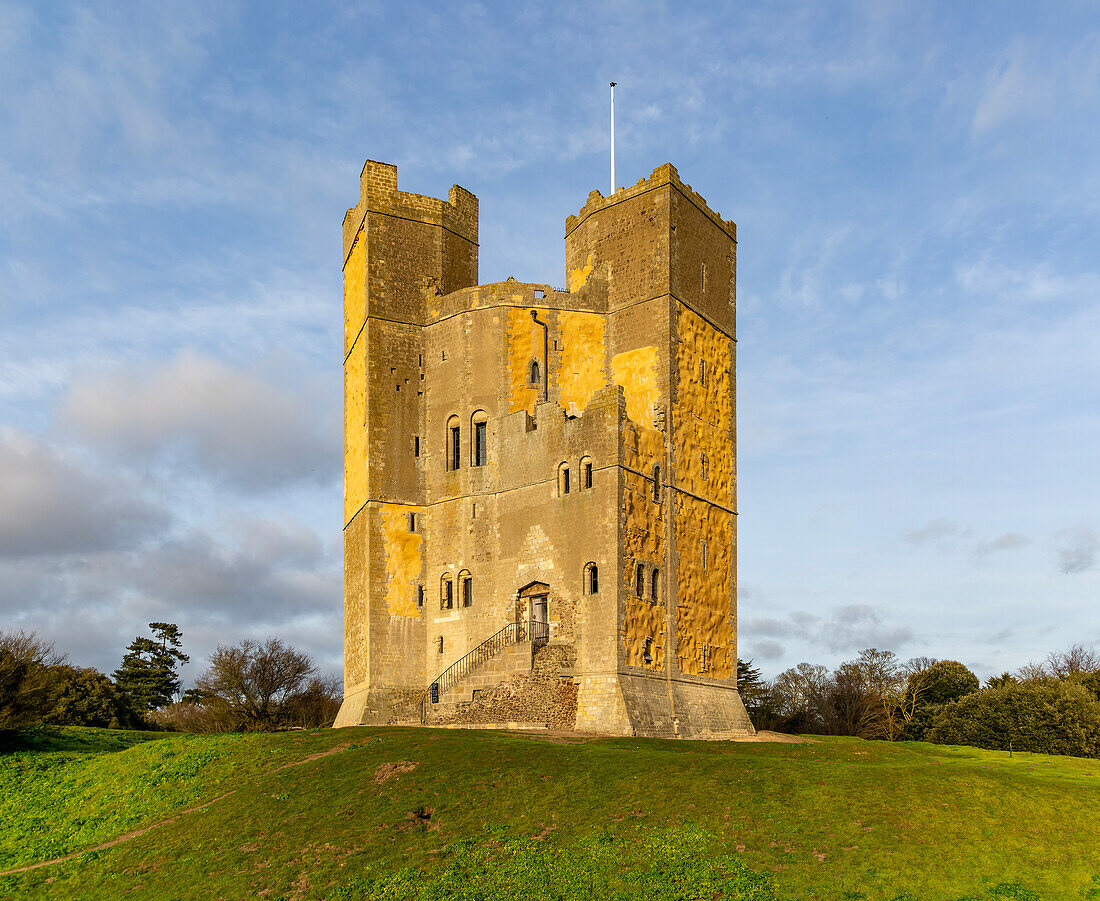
(612, 137)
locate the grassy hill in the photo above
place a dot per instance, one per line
(408, 813)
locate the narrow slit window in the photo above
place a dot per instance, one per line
(439, 645)
(563, 479)
(416, 445)
(657, 483)
(705, 465)
(647, 651)
(587, 475)
(639, 580)
(412, 522)
(703, 551)
(468, 592)
(454, 443)
(655, 585)
(592, 579)
(419, 595)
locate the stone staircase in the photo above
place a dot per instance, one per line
(526, 683)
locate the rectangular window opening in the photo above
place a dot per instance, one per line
(412, 522)
(456, 447)
(587, 475)
(481, 432)
(416, 445)
(467, 592)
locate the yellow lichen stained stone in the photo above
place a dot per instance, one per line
(402, 551)
(582, 358)
(636, 371)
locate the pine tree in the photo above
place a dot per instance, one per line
(147, 677)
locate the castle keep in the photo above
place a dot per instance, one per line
(540, 483)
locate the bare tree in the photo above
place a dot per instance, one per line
(1075, 659)
(1032, 672)
(25, 661)
(800, 692)
(253, 683)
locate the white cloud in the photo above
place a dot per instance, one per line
(242, 427)
(50, 504)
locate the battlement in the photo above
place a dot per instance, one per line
(661, 176)
(378, 194)
(592, 297)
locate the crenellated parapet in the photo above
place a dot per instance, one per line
(378, 193)
(661, 176)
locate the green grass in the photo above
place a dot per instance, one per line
(512, 816)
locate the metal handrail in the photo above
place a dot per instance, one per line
(513, 633)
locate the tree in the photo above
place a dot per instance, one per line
(928, 689)
(760, 700)
(1075, 659)
(316, 704)
(865, 696)
(25, 660)
(85, 697)
(800, 694)
(254, 682)
(147, 677)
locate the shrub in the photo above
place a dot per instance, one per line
(1049, 716)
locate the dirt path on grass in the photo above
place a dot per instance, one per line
(127, 836)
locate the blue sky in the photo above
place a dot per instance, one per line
(917, 192)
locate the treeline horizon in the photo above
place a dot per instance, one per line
(249, 686)
(1048, 707)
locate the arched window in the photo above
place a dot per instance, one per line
(479, 443)
(454, 443)
(446, 592)
(591, 579)
(657, 482)
(535, 377)
(586, 472)
(466, 588)
(639, 580)
(655, 585)
(563, 478)
(705, 465)
(647, 651)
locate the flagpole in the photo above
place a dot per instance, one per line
(612, 137)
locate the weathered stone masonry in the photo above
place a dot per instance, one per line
(515, 452)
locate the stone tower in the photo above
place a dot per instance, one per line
(540, 483)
